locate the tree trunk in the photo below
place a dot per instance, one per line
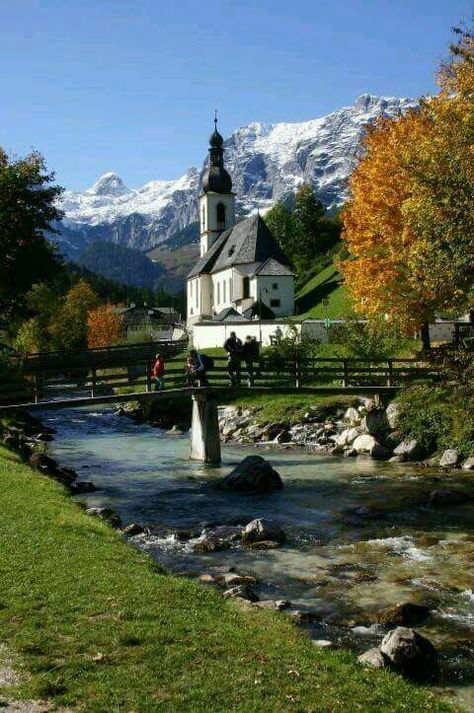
(425, 336)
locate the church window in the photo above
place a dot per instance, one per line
(203, 218)
(224, 297)
(275, 286)
(218, 293)
(220, 215)
(246, 287)
(274, 303)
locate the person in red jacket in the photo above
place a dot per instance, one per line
(158, 372)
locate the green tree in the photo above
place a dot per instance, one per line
(307, 214)
(30, 337)
(27, 212)
(70, 327)
(279, 220)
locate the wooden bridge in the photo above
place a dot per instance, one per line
(60, 380)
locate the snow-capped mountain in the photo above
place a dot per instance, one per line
(266, 162)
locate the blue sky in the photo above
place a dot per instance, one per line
(131, 85)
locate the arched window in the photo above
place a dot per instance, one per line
(246, 287)
(224, 296)
(203, 218)
(218, 293)
(220, 216)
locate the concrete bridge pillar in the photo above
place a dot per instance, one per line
(205, 439)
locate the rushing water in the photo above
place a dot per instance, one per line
(358, 538)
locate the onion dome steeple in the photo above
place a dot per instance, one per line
(216, 179)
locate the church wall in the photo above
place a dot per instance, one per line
(262, 287)
(209, 227)
(223, 288)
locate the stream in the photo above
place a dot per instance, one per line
(358, 538)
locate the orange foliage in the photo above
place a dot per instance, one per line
(104, 326)
(409, 227)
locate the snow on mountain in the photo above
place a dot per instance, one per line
(266, 162)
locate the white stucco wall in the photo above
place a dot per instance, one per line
(272, 288)
(206, 336)
(208, 227)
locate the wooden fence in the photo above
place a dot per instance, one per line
(42, 381)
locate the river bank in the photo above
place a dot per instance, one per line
(96, 623)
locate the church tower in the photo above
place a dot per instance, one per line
(217, 202)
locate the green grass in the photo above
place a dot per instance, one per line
(100, 628)
(327, 284)
(290, 407)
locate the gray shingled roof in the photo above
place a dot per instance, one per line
(229, 314)
(250, 241)
(207, 261)
(273, 267)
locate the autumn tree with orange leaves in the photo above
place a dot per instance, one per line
(104, 326)
(409, 226)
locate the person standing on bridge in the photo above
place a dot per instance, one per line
(233, 347)
(158, 372)
(202, 363)
(250, 355)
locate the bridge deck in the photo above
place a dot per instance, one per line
(219, 392)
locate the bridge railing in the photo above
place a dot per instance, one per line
(48, 382)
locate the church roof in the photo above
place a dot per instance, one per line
(273, 267)
(229, 314)
(250, 241)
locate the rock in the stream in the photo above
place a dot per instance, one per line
(380, 452)
(376, 423)
(133, 529)
(106, 514)
(84, 486)
(242, 591)
(278, 604)
(231, 579)
(350, 453)
(410, 449)
(392, 413)
(262, 530)
(449, 459)
(374, 658)
(175, 431)
(364, 443)
(404, 614)
(353, 416)
(253, 474)
(304, 617)
(411, 654)
(444, 497)
(468, 464)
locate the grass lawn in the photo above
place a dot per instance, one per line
(327, 284)
(290, 407)
(100, 628)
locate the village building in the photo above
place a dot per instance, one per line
(242, 273)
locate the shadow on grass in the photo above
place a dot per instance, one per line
(318, 293)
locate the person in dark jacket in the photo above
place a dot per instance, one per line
(233, 347)
(200, 367)
(251, 355)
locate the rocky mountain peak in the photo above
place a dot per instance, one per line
(109, 184)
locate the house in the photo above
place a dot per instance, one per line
(242, 272)
(158, 321)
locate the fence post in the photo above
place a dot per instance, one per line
(390, 372)
(148, 375)
(345, 378)
(35, 388)
(94, 381)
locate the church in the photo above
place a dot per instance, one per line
(242, 273)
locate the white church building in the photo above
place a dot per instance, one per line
(242, 273)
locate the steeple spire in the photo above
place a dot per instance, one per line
(216, 178)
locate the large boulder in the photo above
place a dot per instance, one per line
(411, 654)
(380, 452)
(373, 658)
(106, 514)
(392, 413)
(253, 475)
(449, 459)
(468, 464)
(348, 436)
(376, 423)
(444, 497)
(410, 449)
(353, 416)
(364, 443)
(404, 614)
(262, 530)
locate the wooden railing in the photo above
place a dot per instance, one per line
(45, 382)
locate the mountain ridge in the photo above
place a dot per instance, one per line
(267, 162)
